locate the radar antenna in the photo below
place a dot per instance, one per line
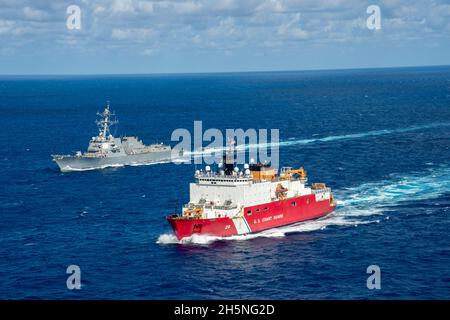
(107, 119)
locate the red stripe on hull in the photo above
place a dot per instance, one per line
(284, 212)
(259, 218)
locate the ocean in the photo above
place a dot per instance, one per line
(379, 138)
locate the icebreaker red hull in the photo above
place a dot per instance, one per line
(255, 218)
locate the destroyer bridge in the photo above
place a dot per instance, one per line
(235, 200)
(105, 150)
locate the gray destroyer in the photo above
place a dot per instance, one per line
(104, 150)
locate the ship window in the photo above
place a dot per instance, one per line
(249, 212)
(257, 210)
(293, 204)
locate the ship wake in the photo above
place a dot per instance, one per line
(364, 204)
(294, 142)
(106, 166)
(69, 168)
(368, 134)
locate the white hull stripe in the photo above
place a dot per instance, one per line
(241, 225)
(246, 223)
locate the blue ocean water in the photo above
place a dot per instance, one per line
(379, 138)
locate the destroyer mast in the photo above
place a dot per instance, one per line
(105, 121)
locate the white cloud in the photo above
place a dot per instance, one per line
(99, 9)
(271, 5)
(146, 6)
(123, 6)
(6, 26)
(225, 4)
(10, 27)
(291, 30)
(132, 34)
(34, 14)
(150, 51)
(187, 7)
(221, 24)
(196, 39)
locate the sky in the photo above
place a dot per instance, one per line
(141, 36)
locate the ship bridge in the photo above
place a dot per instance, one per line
(212, 178)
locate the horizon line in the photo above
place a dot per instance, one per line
(220, 72)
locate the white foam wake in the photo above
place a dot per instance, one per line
(133, 164)
(279, 232)
(359, 205)
(138, 164)
(69, 168)
(419, 186)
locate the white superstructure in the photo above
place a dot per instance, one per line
(228, 191)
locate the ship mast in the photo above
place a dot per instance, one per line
(105, 121)
(228, 157)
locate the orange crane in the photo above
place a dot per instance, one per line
(301, 172)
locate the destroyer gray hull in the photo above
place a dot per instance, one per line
(74, 163)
